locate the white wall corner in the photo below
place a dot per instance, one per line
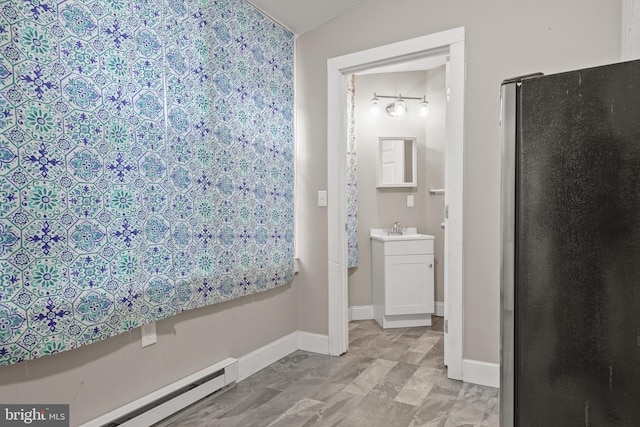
(314, 343)
(482, 373)
(361, 312)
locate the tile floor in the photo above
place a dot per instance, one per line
(389, 378)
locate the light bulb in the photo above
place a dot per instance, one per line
(400, 109)
(424, 109)
(374, 107)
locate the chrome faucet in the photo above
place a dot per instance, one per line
(396, 229)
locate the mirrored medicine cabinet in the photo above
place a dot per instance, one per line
(396, 165)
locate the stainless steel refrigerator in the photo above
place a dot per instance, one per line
(570, 285)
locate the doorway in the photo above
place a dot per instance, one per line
(448, 43)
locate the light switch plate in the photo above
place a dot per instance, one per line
(322, 198)
(410, 201)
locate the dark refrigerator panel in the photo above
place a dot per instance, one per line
(577, 249)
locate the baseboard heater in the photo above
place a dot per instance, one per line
(163, 403)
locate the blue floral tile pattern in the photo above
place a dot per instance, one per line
(146, 164)
(352, 175)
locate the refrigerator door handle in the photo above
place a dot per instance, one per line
(508, 95)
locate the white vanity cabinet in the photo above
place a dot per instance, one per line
(403, 275)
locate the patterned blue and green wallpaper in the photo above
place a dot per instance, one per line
(146, 164)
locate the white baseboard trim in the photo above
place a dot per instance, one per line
(259, 359)
(405, 320)
(315, 343)
(482, 373)
(264, 356)
(365, 312)
(361, 312)
(439, 306)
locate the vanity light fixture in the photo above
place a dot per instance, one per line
(397, 108)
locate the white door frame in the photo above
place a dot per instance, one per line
(449, 42)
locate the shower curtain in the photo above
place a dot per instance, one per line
(352, 174)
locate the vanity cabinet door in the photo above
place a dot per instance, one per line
(409, 288)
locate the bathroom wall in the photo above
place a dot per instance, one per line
(381, 207)
(504, 38)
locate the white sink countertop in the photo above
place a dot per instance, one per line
(409, 233)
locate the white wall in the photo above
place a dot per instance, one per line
(379, 208)
(504, 38)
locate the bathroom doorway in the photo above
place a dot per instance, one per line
(419, 204)
(435, 47)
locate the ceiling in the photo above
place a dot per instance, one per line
(300, 16)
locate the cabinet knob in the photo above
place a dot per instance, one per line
(430, 265)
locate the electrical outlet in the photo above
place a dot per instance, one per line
(322, 198)
(148, 334)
